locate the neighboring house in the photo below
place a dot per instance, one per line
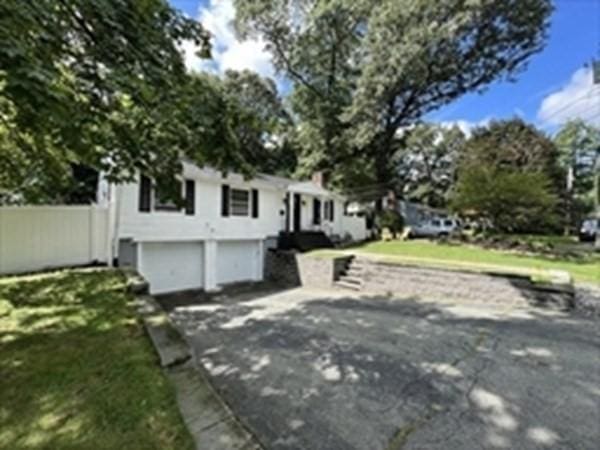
(415, 214)
(222, 233)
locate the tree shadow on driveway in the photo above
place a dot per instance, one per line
(326, 370)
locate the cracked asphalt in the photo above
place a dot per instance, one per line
(306, 369)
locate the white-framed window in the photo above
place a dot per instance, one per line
(240, 202)
(162, 202)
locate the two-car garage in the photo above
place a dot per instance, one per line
(182, 265)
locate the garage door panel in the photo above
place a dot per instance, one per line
(171, 267)
(237, 261)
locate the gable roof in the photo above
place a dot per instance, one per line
(301, 187)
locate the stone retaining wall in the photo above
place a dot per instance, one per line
(412, 281)
(320, 271)
(291, 268)
(405, 280)
(281, 267)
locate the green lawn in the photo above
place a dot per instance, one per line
(77, 370)
(585, 269)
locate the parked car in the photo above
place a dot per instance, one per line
(435, 228)
(589, 229)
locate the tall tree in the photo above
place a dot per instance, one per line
(363, 69)
(513, 145)
(95, 82)
(579, 146)
(427, 163)
(260, 122)
(509, 173)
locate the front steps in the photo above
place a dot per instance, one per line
(410, 281)
(351, 276)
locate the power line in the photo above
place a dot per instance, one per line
(580, 114)
(369, 187)
(589, 95)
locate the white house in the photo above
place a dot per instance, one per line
(222, 233)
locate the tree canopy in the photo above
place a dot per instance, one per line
(261, 125)
(427, 163)
(364, 69)
(94, 82)
(509, 174)
(579, 145)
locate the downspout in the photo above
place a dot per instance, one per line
(114, 224)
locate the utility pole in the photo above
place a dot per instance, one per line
(596, 81)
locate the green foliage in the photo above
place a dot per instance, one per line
(513, 145)
(100, 83)
(426, 163)
(364, 69)
(260, 124)
(390, 219)
(579, 146)
(514, 202)
(509, 174)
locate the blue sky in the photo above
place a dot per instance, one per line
(554, 87)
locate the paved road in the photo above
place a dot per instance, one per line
(326, 370)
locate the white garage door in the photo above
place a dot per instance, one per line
(172, 266)
(238, 261)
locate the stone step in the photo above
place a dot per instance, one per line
(354, 271)
(351, 279)
(347, 285)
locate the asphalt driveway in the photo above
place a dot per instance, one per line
(316, 370)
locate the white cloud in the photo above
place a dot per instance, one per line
(579, 98)
(227, 51)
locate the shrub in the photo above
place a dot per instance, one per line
(390, 219)
(514, 202)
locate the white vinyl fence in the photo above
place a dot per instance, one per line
(39, 237)
(355, 226)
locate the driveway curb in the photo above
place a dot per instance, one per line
(208, 419)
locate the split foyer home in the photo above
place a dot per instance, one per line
(225, 228)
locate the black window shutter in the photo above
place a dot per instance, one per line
(255, 203)
(145, 194)
(190, 197)
(287, 211)
(316, 211)
(331, 210)
(225, 200)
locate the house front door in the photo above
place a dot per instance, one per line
(297, 212)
